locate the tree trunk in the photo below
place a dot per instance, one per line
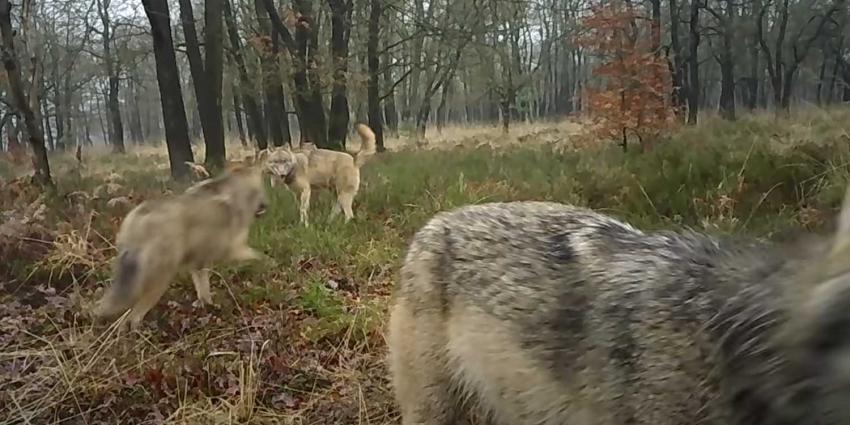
(755, 67)
(338, 120)
(678, 65)
(693, 64)
(113, 109)
(303, 51)
(272, 89)
(171, 95)
(48, 131)
(16, 88)
(252, 110)
(86, 127)
(413, 93)
(136, 131)
(214, 67)
(821, 78)
(787, 87)
(375, 120)
(207, 77)
(113, 105)
(390, 110)
(237, 112)
(727, 66)
(441, 108)
(59, 113)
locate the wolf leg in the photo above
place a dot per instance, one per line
(152, 290)
(305, 206)
(345, 201)
(201, 280)
(243, 252)
(335, 209)
(420, 369)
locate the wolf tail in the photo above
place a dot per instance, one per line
(123, 292)
(367, 144)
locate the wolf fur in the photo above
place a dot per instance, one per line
(542, 313)
(312, 168)
(206, 224)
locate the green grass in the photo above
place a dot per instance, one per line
(318, 307)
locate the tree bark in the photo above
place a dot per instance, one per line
(727, 65)
(678, 64)
(214, 67)
(340, 30)
(113, 105)
(755, 65)
(248, 96)
(237, 112)
(413, 92)
(137, 133)
(693, 63)
(171, 96)
(207, 77)
(303, 50)
(374, 100)
(277, 123)
(16, 87)
(390, 109)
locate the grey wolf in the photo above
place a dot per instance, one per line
(310, 168)
(542, 313)
(191, 231)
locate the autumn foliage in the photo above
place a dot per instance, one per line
(630, 97)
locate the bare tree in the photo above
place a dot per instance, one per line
(171, 95)
(112, 67)
(303, 50)
(376, 121)
(276, 121)
(340, 32)
(19, 98)
(248, 97)
(207, 75)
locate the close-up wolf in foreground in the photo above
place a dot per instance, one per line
(542, 313)
(310, 168)
(206, 224)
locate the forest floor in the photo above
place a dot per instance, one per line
(302, 341)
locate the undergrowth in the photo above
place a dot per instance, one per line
(299, 338)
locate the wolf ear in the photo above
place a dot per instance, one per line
(261, 156)
(842, 233)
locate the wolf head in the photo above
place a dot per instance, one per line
(241, 186)
(279, 162)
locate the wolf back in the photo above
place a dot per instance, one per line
(541, 313)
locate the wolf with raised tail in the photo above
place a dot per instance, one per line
(312, 168)
(542, 313)
(205, 225)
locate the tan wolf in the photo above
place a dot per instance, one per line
(542, 313)
(311, 167)
(206, 224)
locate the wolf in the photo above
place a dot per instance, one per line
(206, 224)
(317, 168)
(543, 313)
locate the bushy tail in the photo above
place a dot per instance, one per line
(367, 144)
(120, 296)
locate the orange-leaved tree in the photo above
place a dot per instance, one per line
(629, 97)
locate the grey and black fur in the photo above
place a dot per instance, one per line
(542, 313)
